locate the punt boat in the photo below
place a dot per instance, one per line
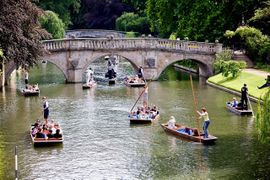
(238, 111)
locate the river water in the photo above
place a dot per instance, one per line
(100, 143)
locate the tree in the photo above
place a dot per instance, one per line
(263, 118)
(256, 44)
(133, 22)
(100, 14)
(200, 19)
(20, 32)
(55, 26)
(64, 8)
(138, 5)
(261, 18)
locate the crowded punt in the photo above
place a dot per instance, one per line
(144, 114)
(49, 132)
(31, 90)
(134, 81)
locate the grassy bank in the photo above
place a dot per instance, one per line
(252, 80)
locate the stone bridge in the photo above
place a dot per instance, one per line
(73, 56)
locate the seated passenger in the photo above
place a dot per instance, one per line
(57, 134)
(189, 131)
(171, 123)
(234, 103)
(50, 135)
(40, 134)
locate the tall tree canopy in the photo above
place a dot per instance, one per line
(64, 8)
(100, 14)
(53, 24)
(20, 32)
(200, 19)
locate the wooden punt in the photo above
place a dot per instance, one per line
(33, 92)
(143, 121)
(211, 139)
(238, 111)
(142, 84)
(45, 141)
(88, 86)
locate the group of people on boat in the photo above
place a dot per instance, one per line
(134, 79)
(144, 113)
(243, 104)
(46, 131)
(192, 131)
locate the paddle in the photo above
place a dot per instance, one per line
(146, 86)
(195, 105)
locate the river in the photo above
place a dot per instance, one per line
(100, 143)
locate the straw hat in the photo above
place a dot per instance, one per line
(172, 119)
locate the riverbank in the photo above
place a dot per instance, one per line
(252, 77)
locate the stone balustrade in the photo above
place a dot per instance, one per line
(131, 44)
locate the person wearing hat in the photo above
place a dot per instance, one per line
(111, 73)
(204, 114)
(171, 123)
(45, 109)
(244, 100)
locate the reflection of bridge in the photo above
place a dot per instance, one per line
(73, 56)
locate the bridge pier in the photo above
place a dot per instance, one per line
(74, 76)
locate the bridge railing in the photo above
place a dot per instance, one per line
(131, 44)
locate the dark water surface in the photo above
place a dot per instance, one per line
(101, 144)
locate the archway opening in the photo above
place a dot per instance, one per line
(121, 65)
(180, 70)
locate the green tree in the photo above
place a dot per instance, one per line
(20, 32)
(138, 5)
(263, 118)
(64, 8)
(55, 26)
(198, 20)
(256, 44)
(132, 22)
(223, 64)
(261, 18)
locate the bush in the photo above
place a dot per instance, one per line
(223, 64)
(133, 22)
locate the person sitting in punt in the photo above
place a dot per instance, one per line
(35, 129)
(50, 135)
(57, 134)
(234, 102)
(171, 123)
(40, 134)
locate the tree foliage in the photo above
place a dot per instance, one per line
(20, 32)
(261, 18)
(100, 14)
(256, 44)
(263, 118)
(138, 6)
(200, 19)
(223, 64)
(64, 8)
(53, 24)
(132, 22)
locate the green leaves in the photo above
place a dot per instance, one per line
(263, 118)
(53, 24)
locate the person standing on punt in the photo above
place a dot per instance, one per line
(140, 73)
(26, 77)
(45, 109)
(204, 114)
(244, 100)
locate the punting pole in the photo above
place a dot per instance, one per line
(146, 86)
(16, 164)
(195, 106)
